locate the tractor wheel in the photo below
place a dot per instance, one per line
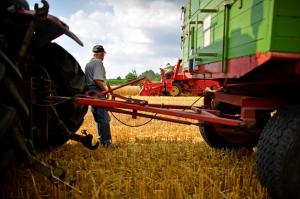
(176, 90)
(69, 80)
(278, 157)
(222, 136)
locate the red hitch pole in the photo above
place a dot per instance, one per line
(199, 114)
(203, 116)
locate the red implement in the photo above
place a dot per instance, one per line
(176, 80)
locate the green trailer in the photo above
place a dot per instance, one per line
(252, 47)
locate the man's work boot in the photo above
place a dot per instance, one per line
(104, 134)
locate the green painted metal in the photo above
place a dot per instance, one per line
(253, 26)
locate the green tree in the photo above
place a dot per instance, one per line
(157, 77)
(150, 74)
(119, 78)
(132, 75)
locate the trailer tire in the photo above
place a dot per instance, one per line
(241, 137)
(176, 90)
(213, 139)
(278, 157)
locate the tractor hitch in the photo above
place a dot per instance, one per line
(85, 139)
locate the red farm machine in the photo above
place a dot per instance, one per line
(252, 48)
(175, 80)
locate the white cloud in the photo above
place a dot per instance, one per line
(135, 35)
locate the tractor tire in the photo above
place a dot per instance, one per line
(176, 90)
(214, 136)
(278, 157)
(69, 80)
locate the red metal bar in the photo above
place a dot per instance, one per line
(248, 102)
(203, 116)
(177, 67)
(285, 56)
(249, 105)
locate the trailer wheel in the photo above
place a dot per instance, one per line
(176, 90)
(222, 136)
(278, 157)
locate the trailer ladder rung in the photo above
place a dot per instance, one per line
(196, 22)
(209, 10)
(208, 54)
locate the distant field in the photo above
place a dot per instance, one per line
(159, 160)
(114, 82)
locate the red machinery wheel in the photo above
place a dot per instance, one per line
(176, 90)
(278, 157)
(222, 136)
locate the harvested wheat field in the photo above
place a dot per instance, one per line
(159, 160)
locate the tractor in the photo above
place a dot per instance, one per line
(33, 68)
(176, 80)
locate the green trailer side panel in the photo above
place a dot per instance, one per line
(249, 29)
(286, 26)
(253, 26)
(195, 4)
(195, 21)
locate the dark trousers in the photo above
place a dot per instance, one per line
(102, 120)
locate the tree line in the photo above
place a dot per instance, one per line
(149, 74)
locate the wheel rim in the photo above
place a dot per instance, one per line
(174, 91)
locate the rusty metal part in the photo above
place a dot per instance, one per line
(86, 140)
(40, 14)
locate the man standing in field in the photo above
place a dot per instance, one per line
(96, 81)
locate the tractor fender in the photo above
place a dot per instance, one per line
(47, 29)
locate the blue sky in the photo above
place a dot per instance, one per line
(137, 34)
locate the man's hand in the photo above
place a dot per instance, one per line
(100, 84)
(106, 95)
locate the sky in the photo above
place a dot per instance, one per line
(136, 34)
